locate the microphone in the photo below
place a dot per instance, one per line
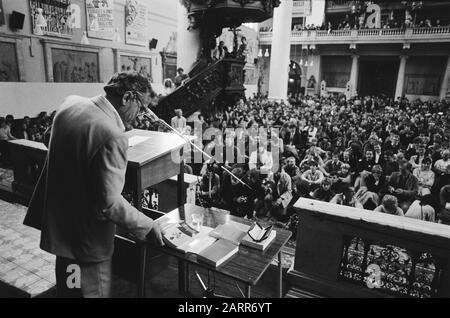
(153, 117)
(150, 115)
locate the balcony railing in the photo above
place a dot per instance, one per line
(434, 34)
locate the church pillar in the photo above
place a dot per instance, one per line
(354, 74)
(445, 87)
(188, 41)
(281, 47)
(401, 77)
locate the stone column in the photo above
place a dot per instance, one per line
(401, 77)
(281, 48)
(354, 74)
(445, 86)
(188, 41)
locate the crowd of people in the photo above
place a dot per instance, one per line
(376, 153)
(26, 128)
(352, 23)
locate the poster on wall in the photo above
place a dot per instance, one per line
(418, 84)
(56, 15)
(100, 19)
(9, 68)
(75, 66)
(2, 13)
(136, 22)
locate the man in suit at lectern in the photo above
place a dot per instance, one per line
(77, 201)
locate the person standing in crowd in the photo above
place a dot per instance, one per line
(168, 87)
(178, 121)
(77, 209)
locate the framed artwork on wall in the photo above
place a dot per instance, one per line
(2, 13)
(9, 67)
(169, 65)
(75, 66)
(127, 60)
(70, 63)
(12, 67)
(142, 65)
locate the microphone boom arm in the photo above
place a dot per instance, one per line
(152, 117)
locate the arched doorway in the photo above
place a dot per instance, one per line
(295, 80)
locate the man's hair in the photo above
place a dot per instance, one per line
(389, 201)
(180, 69)
(123, 82)
(427, 160)
(377, 169)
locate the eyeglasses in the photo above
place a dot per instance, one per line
(258, 233)
(140, 99)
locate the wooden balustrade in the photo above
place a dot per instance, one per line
(347, 252)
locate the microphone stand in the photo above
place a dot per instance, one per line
(152, 117)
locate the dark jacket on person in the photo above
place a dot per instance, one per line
(372, 186)
(407, 182)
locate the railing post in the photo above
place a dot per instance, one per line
(408, 32)
(313, 34)
(354, 33)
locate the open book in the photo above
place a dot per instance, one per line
(259, 237)
(184, 238)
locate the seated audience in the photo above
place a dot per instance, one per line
(422, 209)
(389, 205)
(403, 185)
(425, 177)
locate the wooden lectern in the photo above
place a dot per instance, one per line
(155, 157)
